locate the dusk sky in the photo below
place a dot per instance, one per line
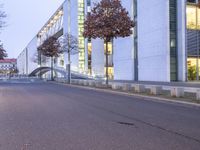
(25, 19)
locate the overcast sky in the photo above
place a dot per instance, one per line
(25, 19)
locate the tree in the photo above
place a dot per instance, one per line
(3, 53)
(50, 48)
(38, 58)
(2, 17)
(69, 45)
(108, 20)
(192, 72)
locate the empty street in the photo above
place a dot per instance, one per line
(47, 116)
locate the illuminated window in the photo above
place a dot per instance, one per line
(110, 72)
(110, 48)
(89, 57)
(193, 17)
(192, 68)
(81, 39)
(62, 63)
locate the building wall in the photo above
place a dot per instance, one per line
(153, 43)
(66, 26)
(182, 40)
(123, 50)
(5, 67)
(98, 57)
(25, 61)
(21, 62)
(71, 26)
(32, 51)
(153, 40)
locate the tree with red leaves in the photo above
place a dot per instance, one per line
(50, 48)
(108, 20)
(3, 53)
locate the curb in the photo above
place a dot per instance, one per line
(147, 98)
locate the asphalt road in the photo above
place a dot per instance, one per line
(45, 116)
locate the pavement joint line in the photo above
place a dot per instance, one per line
(147, 98)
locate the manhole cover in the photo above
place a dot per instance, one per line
(126, 123)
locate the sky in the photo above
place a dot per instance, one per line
(25, 19)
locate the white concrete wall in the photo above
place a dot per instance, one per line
(153, 43)
(21, 62)
(65, 25)
(123, 50)
(32, 50)
(74, 32)
(98, 57)
(153, 40)
(181, 40)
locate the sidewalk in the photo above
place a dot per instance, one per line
(194, 84)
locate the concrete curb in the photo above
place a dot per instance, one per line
(144, 97)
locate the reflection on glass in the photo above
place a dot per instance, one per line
(110, 72)
(193, 17)
(192, 63)
(110, 49)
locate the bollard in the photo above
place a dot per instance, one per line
(80, 82)
(126, 87)
(198, 95)
(76, 82)
(155, 90)
(177, 92)
(85, 82)
(115, 86)
(73, 81)
(139, 88)
(91, 83)
(98, 84)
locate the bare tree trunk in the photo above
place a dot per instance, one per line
(51, 68)
(106, 62)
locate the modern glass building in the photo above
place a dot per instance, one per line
(193, 40)
(164, 45)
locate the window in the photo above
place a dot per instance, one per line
(173, 41)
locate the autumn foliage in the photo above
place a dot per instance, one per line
(108, 20)
(3, 53)
(50, 48)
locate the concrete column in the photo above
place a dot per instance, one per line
(177, 92)
(126, 87)
(155, 90)
(198, 95)
(116, 86)
(139, 88)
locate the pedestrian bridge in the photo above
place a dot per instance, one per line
(43, 70)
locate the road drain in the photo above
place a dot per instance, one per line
(126, 123)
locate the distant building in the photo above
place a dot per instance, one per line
(8, 66)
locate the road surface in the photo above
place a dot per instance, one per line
(46, 116)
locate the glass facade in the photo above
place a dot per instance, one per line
(89, 48)
(81, 39)
(135, 40)
(173, 41)
(193, 41)
(110, 60)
